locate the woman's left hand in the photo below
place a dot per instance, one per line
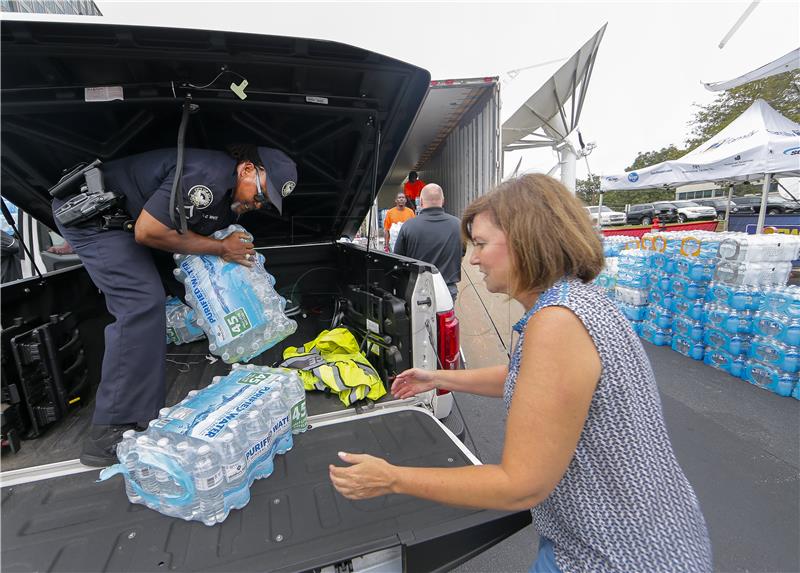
(367, 477)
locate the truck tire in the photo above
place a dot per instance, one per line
(681, 218)
(773, 211)
(646, 220)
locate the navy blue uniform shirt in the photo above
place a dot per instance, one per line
(146, 181)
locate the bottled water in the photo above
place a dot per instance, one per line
(764, 273)
(736, 344)
(632, 296)
(660, 298)
(237, 306)
(770, 378)
(728, 319)
(759, 248)
(631, 312)
(687, 347)
(692, 309)
(655, 335)
(661, 281)
(781, 328)
(208, 481)
(661, 318)
(783, 300)
(689, 329)
(198, 460)
(742, 297)
(686, 288)
(776, 354)
(633, 278)
(721, 360)
(181, 324)
(796, 391)
(698, 270)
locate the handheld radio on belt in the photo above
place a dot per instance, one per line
(91, 202)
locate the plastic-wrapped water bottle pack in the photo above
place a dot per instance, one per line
(181, 324)
(198, 459)
(237, 306)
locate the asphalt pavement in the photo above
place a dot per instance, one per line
(738, 445)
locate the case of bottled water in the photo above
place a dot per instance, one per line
(237, 306)
(753, 273)
(631, 312)
(181, 324)
(781, 328)
(776, 354)
(796, 391)
(739, 297)
(741, 247)
(721, 360)
(692, 330)
(660, 298)
(656, 335)
(736, 344)
(688, 347)
(692, 309)
(769, 377)
(659, 317)
(631, 296)
(198, 459)
(783, 300)
(731, 320)
(681, 286)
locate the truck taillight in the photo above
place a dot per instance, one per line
(448, 343)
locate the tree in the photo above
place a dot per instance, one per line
(587, 190)
(781, 91)
(647, 158)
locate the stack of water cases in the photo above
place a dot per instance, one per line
(237, 306)
(749, 300)
(198, 460)
(181, 323)
(632, 287)
(612, 247)
(687, 266)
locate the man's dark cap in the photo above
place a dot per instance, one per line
(281, 175)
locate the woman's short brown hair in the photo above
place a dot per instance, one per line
(549, 232)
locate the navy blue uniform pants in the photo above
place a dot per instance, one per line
(132, 384)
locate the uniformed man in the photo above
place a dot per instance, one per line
(128, 267)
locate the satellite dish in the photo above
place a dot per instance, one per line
(550, 115)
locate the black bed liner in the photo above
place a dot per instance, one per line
(294, 521)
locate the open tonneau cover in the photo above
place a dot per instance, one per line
(295, 520)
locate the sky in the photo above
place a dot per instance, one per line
(646, 80)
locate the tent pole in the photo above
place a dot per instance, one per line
(762, 213)
(728, 206)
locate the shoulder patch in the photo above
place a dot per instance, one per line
(287, 188)
(201, 196)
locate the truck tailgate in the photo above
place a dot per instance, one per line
(294, 521)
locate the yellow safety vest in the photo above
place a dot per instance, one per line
(333, 361)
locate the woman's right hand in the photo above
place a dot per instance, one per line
(412, 382)
(238, 248)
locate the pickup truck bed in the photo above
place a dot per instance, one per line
(187, 369)
(294, 521)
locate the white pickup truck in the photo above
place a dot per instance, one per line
(73, 92)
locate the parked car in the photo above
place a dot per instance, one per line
(607, 216)
(775, 205)
(644, 213)
(719, 204)
(690, 211)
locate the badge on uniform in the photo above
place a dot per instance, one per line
(201, 196)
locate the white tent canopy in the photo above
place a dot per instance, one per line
(790, 61)
(758, 142)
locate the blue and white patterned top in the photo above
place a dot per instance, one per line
(623, 503)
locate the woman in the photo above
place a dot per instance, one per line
(586, 446)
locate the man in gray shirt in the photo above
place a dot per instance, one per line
(434, 237)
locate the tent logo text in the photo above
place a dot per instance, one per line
(791, 151)
(633, 177)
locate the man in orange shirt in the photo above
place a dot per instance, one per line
(412, 189)
(395, 216)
